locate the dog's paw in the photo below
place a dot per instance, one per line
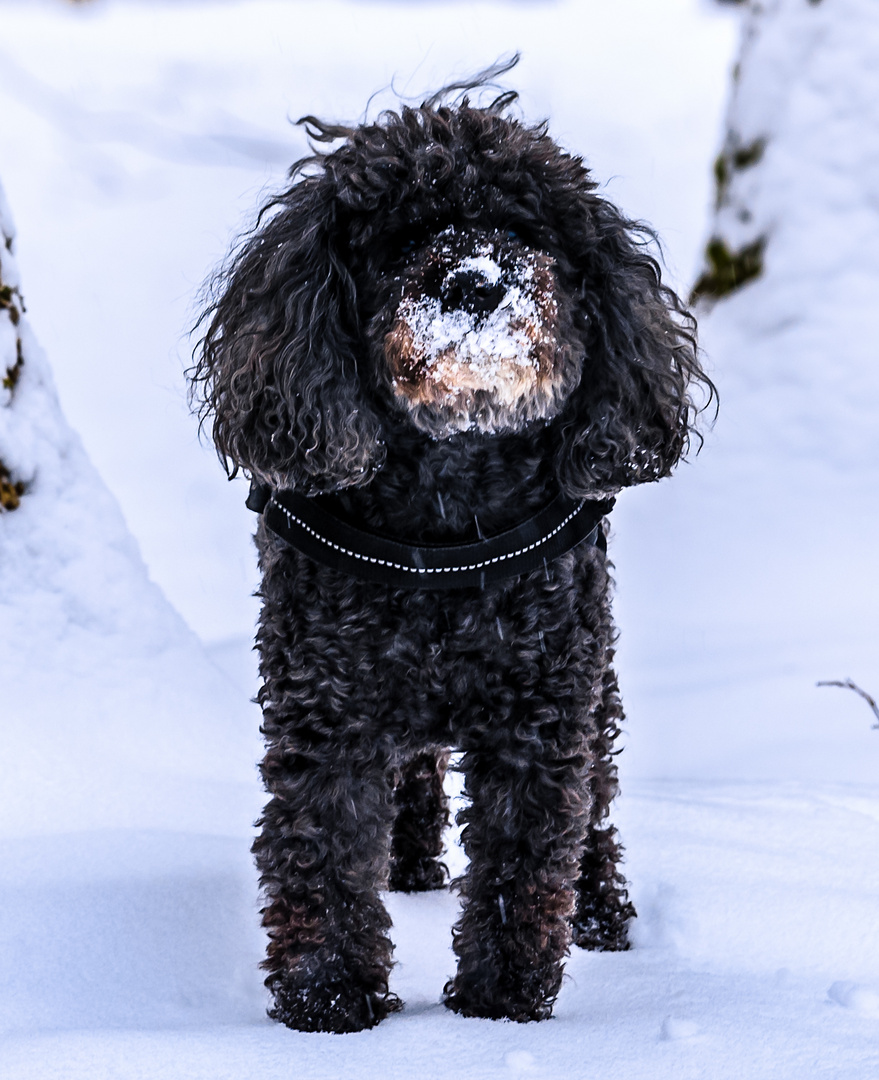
(333, 1008)
(610, 934)
(469, 1001)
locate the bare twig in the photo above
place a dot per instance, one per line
(848, 684)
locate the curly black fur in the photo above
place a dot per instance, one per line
(422, 814)
(363, 683)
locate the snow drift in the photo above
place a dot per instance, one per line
(113, 719)
(760, 574)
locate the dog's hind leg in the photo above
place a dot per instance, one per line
(422, 815)
(603, 908)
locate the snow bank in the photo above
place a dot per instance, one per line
(113, 719)
(759, 578)
(803, 366)
(105, 689)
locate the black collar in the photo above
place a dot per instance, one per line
(309, 526)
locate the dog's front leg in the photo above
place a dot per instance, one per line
(322, 856)
(524, 829)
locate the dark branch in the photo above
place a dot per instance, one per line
(848, 684)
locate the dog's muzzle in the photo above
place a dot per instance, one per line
(474, 334)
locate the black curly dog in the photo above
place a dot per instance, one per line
(437, 330)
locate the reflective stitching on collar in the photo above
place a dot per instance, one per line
(292, 518)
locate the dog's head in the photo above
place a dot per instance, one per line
(449, 267)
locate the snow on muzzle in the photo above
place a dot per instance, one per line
(489, 329)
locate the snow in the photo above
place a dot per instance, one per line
(79, 614)
(134, 140)
(749, 961)
(126, 757)
(485, 265)
(486, 344)
(770, 536)
(850, 995)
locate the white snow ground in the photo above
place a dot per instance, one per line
(133, 139)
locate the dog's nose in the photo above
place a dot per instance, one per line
(471, 290)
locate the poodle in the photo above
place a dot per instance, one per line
(438, 357)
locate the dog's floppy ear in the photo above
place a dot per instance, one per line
(277, 370)
(631, 418)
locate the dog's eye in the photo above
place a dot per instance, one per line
(512, 234)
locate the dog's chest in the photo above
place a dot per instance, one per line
(458, 490)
